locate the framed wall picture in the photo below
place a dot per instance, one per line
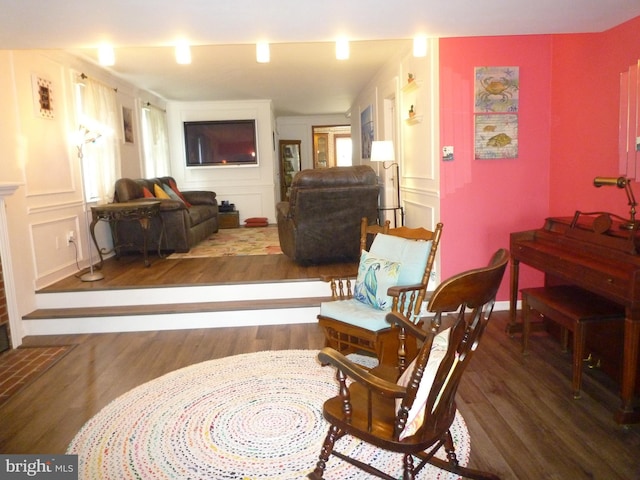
(42, 96)
(496, 107)
(127, 125)
(496, 136)
(366, 131)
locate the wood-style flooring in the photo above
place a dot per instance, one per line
(522, 418)
(129, 272)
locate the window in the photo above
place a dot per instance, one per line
(155, 142)
(98, 120)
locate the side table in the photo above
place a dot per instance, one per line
(229, 219)
(142, 212)
(395, 214)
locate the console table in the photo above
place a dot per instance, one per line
(141, 212)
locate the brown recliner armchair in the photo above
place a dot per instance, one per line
(321, 221)
(184, 225)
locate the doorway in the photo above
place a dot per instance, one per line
(332, 146)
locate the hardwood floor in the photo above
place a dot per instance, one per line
(523, 421)
(129, 271)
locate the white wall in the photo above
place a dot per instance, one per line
(37, 153)
(251, 188)
(417, 143)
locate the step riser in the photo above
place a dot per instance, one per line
(193, 294)
(174, 321)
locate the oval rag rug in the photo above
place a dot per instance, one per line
(250, 416)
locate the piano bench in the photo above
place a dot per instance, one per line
(572, 308)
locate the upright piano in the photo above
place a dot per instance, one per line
(593, 251)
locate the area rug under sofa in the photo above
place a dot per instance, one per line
(235, 242)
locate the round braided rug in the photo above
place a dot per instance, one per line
(251, 416)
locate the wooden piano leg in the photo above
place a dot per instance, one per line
(513, 326)
(626, 414)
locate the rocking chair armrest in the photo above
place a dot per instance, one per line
(396, 290)
(359, 374)
(413, 329)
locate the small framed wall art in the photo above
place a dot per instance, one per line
(42, 96)
(127, 124)
(366, 131)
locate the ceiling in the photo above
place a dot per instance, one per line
(303, 76)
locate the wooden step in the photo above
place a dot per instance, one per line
(163, 309)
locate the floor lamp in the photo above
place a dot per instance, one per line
(382, 151)
(86, 136)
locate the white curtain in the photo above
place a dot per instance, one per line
(155, 142)
(99, 115)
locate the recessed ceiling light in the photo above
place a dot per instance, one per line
(420, 46)
(106, 55)
(342, 49)
(262, 52)
(183, 53)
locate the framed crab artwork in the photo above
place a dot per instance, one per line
(496, 89)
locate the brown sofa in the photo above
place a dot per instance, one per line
(321, 221)
(184, 226)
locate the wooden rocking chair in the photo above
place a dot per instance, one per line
(410, 411)
(352, 324)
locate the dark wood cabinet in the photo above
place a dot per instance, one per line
(321, 150)
(289, 165)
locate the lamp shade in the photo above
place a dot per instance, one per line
(382, 151)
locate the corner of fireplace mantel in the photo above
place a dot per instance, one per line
(7, 189)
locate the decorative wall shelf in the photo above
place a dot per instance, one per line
(411, 86)
(413, 120)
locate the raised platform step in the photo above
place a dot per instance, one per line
(171, 321)
(184, 294)
(175, 307)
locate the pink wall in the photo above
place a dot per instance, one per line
(483, 201)
(584, 132)
(568, 134)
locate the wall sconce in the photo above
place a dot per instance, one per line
(262, 52)
(342, 49)
(621, 182)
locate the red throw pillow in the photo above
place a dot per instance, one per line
(147, 193)
(256, 222)
(174, 187)
(256, 225)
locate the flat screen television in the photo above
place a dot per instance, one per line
(221, 143)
